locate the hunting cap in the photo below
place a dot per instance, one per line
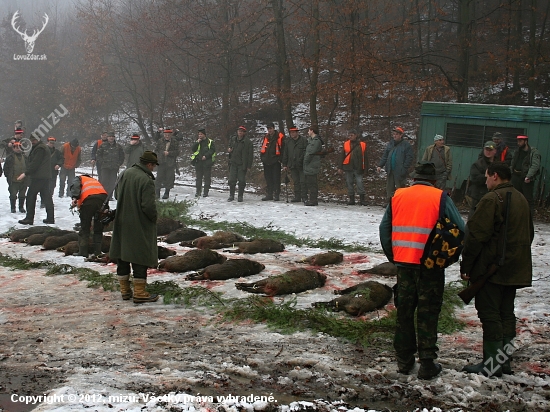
(270, 125)
(399, 129)
(135, 136)
(497, 135)
(242, 128)
(438, 137)
(293, 129)
(167, 130)
(74, 142)
(149, 157)
(19, 131)
(490, 145)
(34, 136)
(17, 145)
(523, 137)
(203, 131)
(353, 131)
(424, 171)
(109, 134)
(52, 139)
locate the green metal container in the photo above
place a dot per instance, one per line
(466, 126)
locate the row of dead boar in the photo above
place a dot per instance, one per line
(207, 264)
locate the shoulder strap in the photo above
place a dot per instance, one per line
(442, 204)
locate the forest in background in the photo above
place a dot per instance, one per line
(143, 64)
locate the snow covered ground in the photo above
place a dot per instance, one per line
(105, 354)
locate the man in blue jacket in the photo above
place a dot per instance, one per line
(396, 160)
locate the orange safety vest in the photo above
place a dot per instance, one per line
(100, 142)
(415, 211)
(347, 151)
(277, 147)
(70, 157)
(89, 187)
(503, 154)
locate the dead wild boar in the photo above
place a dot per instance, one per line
(231, 268)
(166, 225)
(259, 246)
(70, 248)
(218, 240)
(322, 259)
(183, 234)
(192, 260)
(293, 281)
(39, 238)
(359, 299)
(19, 235)
(164, 252)
(384, 269)
(53, 242)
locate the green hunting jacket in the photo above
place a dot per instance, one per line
(530, 166)
(481, 243)
(295, 150)
(135, 226)
(312, 159)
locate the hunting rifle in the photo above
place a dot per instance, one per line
(468, 294)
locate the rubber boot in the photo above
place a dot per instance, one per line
(205, 194)
(428, 369)
(231, 194)
(166, 193)
(506, 366)
(241, 194)
(49, 215)
(276, 196)
(125, 289)
(83, 245)
(351, 200)
(140, 294)
(489, 366)
(362, 200)
(22, 205)
(12, 204)
(268, 196)
(405, 366)
(97, 240)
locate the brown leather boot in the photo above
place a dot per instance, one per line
(125, 289)
(140, 294)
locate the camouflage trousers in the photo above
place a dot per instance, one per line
(419, 290)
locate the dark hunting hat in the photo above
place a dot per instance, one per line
(424, 171)
(203, 131)
(110, 134)
(149, 157)
(34, 136)
(270, 126)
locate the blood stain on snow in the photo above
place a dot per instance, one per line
(356, 258)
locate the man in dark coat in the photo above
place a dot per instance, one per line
(483, 248)
(111, 156)
(525, 169)
(56, 162)
(293, 160)
(168, 150)
(241, 156)
(16, 163)
(312, 165)
(134, 241)
(396, 160)
(478, 188)
(354, 163)
(134, 150)
(204, 153)
(95, 147)
(39, 171)
(271, 154)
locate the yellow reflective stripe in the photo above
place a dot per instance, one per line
(199, 148)
(89, 187)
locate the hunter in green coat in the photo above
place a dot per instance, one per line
(134, 242)
(482, 247)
